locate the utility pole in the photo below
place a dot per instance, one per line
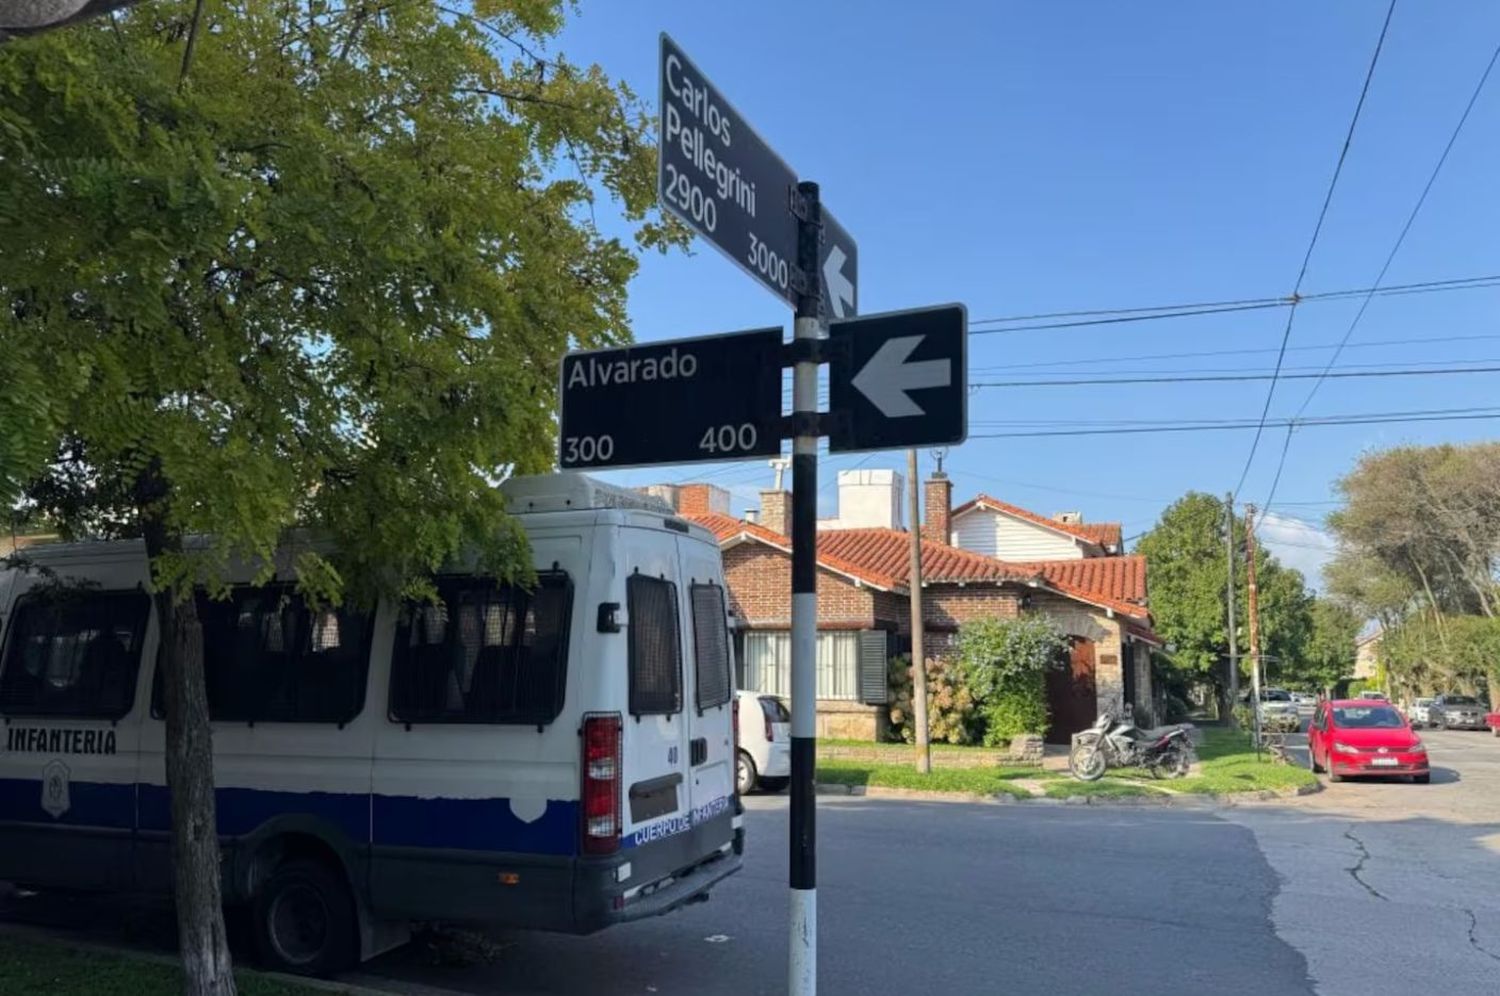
(918, 657)
(1253, 608)
(1234, 655)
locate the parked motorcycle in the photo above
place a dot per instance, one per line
(1118, 743)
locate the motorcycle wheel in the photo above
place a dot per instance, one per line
(1087, 764)
(1173, 765)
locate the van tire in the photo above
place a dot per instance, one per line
(304, 920)
(746, 778)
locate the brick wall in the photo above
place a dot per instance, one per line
(760, 592)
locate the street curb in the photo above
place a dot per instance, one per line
(1164, 796)
(359, 985)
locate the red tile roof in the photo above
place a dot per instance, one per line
(882, 557)
(1089, 534)
(889, 552)
(726, 528)
(1117, 583)
(1106, 534)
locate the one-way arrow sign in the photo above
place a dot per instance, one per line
(900, 380)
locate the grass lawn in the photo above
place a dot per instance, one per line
(1063, 789)
(977, 781)
(1230, 765)
(884, 745)
(48, 968)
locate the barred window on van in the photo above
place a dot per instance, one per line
(710, 646)
(484, 652)
(655, 646)
(74, 653)
(269, 657)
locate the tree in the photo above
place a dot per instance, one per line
(1431, 516)
(1185, 555)
(1328, 656)
(271, 266)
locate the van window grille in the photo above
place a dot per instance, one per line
(710, 646)
(74, 653)
(655, 646)
(485, 652)
(269, 657)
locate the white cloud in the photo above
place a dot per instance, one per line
(1297, 543)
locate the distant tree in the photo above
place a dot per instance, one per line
(275, 265)
(1328, 655)
(1188, 573)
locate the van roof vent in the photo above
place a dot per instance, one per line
(558, 492)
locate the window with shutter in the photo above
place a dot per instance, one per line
(874, 685)
(655, 646)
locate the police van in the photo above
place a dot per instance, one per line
(556, 756)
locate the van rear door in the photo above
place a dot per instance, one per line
(656, 794)
(710, 713)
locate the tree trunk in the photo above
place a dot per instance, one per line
(203, 944)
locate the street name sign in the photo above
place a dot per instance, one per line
(729, 186)
(709, 398)
(899, 380)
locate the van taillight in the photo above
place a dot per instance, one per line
(601, 783)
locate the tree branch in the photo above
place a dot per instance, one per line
(192, 44)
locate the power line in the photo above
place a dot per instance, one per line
(1114, 316)
(1312, 243)
(1390, 257)
(1368, 344)
(1372, 418)
(1220, 378)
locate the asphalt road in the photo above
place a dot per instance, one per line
(1392, 887)
(945, 897)
(1365, 887)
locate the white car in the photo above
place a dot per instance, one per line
(764, 759)
(1420, 712)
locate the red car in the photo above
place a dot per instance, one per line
(1365, 737)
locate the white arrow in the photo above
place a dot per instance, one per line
(840, 289)
(887, 377)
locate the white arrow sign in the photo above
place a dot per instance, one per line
(840, 288)
(887, 376)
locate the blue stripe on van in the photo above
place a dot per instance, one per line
(90, 804)
(399, 821)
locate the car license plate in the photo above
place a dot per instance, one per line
(1385, 762)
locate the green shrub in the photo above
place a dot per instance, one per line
(951, 713)
(1017, 710)
(1004, 663)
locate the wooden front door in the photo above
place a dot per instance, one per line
(1070, 693)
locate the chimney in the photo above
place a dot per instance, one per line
(1068, 518)
(776, 511)
(702, 499)
(937, 496)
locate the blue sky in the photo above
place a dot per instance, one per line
(1031, 157)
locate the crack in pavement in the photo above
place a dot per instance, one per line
(1359, 866)
(1474, 940)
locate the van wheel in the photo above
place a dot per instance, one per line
(304, 920)
(745, 777)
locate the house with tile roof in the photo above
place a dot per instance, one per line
(1097, 599)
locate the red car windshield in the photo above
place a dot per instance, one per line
(1371, 717)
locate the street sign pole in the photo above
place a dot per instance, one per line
(802, 968)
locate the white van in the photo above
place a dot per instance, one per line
(558, 758)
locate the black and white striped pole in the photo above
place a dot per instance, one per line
(803, 966)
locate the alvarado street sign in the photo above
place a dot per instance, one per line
(681, 401)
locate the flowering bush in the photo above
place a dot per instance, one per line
(951, 713)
